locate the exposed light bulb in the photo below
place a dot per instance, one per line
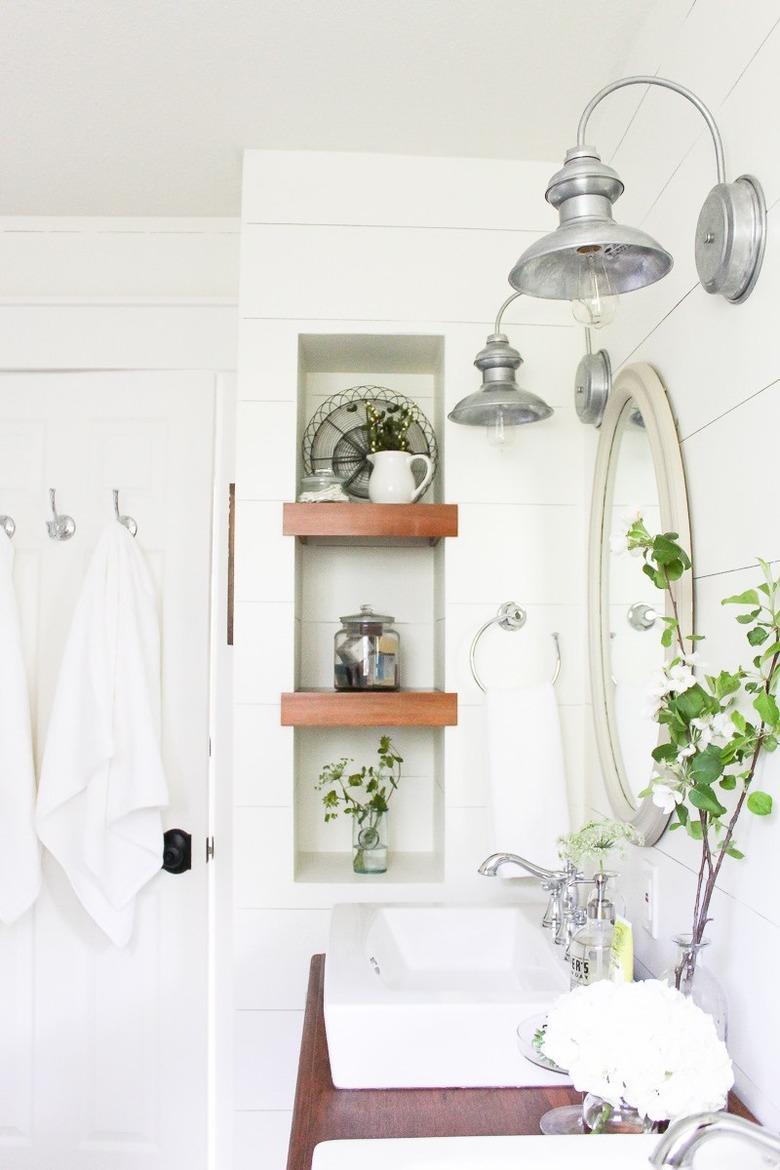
(596, 304)
(500, 433)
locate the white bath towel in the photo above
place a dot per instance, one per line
(527, 783)
(637, 734)
(102, 782)
(20, 855)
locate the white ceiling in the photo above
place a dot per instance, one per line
(142, 107)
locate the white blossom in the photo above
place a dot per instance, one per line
(642, 1043)
(712, 727)
(681, 678)
(666, 797)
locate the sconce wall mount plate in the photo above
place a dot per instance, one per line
(731, 238)
(592, 384)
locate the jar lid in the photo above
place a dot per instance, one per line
(324, 477)
(367, 617)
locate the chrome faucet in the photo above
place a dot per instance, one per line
(683, 1138)
(561, 915)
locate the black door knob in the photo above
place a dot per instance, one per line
(177, 851)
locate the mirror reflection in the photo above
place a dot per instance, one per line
(633, 653)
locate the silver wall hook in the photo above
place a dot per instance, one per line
(127, 521)
(59, 527)
(8, 526)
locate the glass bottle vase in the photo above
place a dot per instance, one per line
(369, 842)
(691, 976)
(598, 1116)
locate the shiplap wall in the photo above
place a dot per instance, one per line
(361, 244)
(721, 366)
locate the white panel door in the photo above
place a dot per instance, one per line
(103, 1052)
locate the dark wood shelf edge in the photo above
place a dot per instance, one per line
(418, 522)
(322, 1112)
(325, 708)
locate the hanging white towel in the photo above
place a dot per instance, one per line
(527, 782)
(637, 733)
(102, 782)
(20, 855)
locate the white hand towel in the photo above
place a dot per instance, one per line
(102, 782)
(527, 783)
(637, 734)
(20, 854)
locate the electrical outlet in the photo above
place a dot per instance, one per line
(650, 913)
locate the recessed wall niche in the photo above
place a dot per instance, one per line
(335, 577)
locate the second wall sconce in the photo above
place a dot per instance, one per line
(499, 403)
(590, 259)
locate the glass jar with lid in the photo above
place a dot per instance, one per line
(322, 486)
(367, 653)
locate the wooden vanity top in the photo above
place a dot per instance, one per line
(324, 1113)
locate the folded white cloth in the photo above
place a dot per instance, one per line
(102, 781)
(637, 733)
(20, 854)
(526, 778)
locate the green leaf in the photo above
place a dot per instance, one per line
(760, 803)
(692, 703)
(749, 597)
(728, 782)
(745, 619)
(766, 706)
(757, 636)
(656, 577)
(682, 814)
(705, 799)
(664, 752)
(667, 552)
(739, 721)
(695, 830)
(706, 766)
(769, 743)
(734, 852)
(667, 637)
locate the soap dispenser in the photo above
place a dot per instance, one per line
(589, 949)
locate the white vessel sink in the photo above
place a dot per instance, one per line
(613, 1152)
(431, 996)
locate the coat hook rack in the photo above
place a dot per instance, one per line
(8, 526)
(127, 521)
(60, 527)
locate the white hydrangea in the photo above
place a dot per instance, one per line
(643, 1043)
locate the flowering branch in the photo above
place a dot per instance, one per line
(717, 726)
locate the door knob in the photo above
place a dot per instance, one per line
(177, 851)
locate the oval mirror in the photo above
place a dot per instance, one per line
(638, 468)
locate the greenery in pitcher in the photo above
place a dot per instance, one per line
(363, 794)
(717, 725)
(388, 429)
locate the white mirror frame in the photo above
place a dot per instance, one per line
(641, 383)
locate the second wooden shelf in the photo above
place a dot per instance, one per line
(369, 709)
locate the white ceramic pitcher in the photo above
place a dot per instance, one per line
(391, 480)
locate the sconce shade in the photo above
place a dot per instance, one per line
(555, 267)
(499, 396)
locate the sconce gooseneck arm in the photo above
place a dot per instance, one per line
(664, 84)
(502, 310)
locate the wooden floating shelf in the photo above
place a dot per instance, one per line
(369, 709)
(382, 523)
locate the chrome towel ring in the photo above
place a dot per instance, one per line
(510, 616)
